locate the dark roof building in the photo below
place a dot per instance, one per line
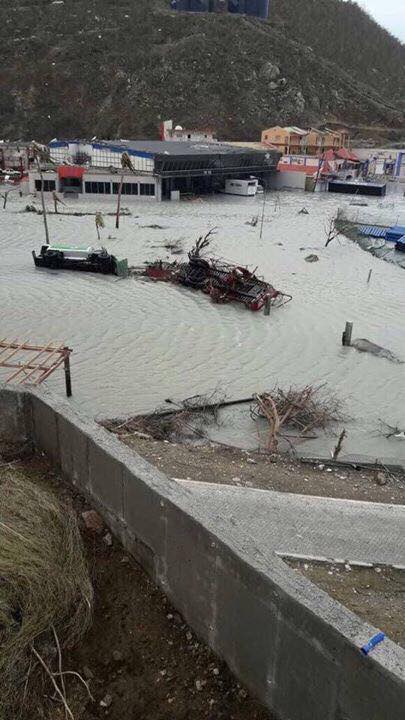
(257, 8)
(193, 167)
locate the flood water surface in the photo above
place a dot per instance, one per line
(137, 342)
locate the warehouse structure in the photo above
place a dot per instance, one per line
(158, 170)
(257, 8)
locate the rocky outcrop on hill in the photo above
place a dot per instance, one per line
(115, 69)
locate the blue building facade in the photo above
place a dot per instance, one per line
(256, 8)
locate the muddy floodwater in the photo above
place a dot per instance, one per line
(136, 342)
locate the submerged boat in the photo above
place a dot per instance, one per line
(87, 259)
(400, 244)
(221, 280)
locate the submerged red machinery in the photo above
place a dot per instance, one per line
(222, 281)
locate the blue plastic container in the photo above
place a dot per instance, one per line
(199, 5)
(237, 6)
(395, 233)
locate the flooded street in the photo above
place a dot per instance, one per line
(136, 343)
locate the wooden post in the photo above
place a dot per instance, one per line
(347, 335)
(43, 201)
(369, 276)
(68, 378)
(267, 306)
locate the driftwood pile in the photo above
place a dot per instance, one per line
(187, 420)
(299, 409)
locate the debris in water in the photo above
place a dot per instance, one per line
(363, 345)
(302, 409)
(87, 259)
(186, 421)
(222, 281)
(311, 258)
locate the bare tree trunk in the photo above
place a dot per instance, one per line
(117, 220)
(43, 201)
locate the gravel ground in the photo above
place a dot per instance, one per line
(232, 466)
(375, 594)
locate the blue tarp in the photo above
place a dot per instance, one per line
(373, 231)
(395, 233)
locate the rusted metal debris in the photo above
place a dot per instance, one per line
(224, 282)
(33, 364)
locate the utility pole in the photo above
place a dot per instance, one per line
(43, 201)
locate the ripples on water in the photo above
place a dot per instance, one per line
(136, 343)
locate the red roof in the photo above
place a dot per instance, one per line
(71, 171)
(328, 155)
(326, 168)
(345, 154)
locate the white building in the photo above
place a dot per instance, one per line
(180, 134)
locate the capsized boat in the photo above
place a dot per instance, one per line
(73, 257)
(400, 244)
(222, 281)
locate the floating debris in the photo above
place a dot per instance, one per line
(363, 345)
(221, 280)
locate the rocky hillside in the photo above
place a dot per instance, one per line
(115, 69)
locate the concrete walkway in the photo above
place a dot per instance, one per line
(311, 527)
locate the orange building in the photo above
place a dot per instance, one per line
(293, 140)
(286, 139)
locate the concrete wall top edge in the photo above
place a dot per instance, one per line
(271, 569)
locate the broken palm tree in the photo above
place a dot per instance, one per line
(99, 220)
(126, 164)
(301, 410)
(46, 596)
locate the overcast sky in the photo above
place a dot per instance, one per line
(389, 13)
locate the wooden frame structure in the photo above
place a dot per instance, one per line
(32, 364)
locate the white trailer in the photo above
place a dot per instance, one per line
(241, 187)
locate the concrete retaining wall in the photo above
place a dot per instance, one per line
(289, 642)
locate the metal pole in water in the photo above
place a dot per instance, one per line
(347, 335)
(369, 276)
(43, 201)
(264, 205)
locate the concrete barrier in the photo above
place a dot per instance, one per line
(15, 428)
(295, 648)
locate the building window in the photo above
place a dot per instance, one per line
(98, 188)
(49, 185)
(127, 188)
(147, 189)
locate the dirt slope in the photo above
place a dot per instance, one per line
(115, 69)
